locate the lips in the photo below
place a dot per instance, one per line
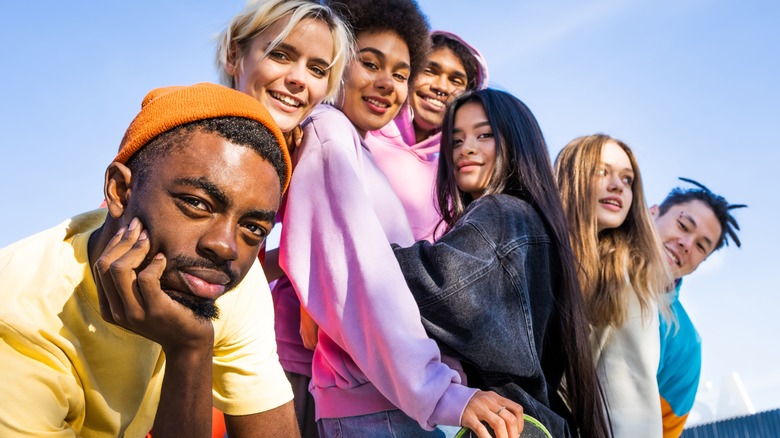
(672, 256)
(377, 104)
(612, 203)
(468, 165)
(205, 283)
(286, 100)
(433, 103)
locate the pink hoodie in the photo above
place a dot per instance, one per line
(340, 218)
(411, 168)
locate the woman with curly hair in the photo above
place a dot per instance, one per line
(374, 372)
(623, 275)
(407, 149)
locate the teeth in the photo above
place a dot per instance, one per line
(377, 103)
(287, 100)
(609, 201)
(434, 102)
(671, 255)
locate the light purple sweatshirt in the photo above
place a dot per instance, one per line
(410, 166)
(372, 353)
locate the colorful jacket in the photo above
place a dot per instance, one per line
(372, 353)
(680, 367)
(410, 166)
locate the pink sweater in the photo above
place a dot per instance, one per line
(410, 166)
(372, 353)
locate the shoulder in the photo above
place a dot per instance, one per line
(506, 210)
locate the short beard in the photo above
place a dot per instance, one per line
(202, 308)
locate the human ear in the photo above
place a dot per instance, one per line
(654, 210)
(116, 188)
(233, 62)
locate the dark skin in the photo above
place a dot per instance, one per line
(210, 203)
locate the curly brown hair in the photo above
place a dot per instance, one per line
(403, 17)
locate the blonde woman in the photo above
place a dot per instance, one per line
(290, 55)
(623, 275)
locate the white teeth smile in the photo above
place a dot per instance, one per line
(376, 102)
(612, 202)
(671, 256)
(437, 103)
(287, 100)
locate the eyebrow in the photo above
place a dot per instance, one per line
(476, 125)
(294, 50)
(381, 56)
(456, 73)
(220, 196)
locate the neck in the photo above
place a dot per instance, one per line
(421, 134)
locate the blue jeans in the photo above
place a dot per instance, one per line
(386, 424)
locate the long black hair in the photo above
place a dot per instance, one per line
(523, 169)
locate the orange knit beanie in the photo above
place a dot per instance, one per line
(166, 108)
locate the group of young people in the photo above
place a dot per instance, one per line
(435, 268)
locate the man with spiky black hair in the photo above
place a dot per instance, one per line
(692, 224)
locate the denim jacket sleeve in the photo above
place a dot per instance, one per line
(485, 291)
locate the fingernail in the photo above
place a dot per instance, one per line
(133, 223)
(159, 256)
(143, 236)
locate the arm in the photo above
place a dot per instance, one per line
(137, 303)
(341, 265)
(278, 422)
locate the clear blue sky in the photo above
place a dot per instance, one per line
(691, 85)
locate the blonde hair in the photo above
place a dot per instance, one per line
(258, 15)
(617, 262)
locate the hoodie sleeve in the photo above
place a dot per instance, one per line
(338, 257)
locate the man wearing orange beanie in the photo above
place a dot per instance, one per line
(147, 312)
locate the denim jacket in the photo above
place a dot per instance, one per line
(486, 295)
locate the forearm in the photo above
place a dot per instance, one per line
(185, 399)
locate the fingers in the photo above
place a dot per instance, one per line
(149, 280)
(504, 416)
(115, 272)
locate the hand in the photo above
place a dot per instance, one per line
(504, 416)
(136, 302)
(309, 330)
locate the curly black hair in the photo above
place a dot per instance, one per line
(718, 204)
(403, 17)
(463, 54)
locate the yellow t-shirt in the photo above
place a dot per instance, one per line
(66, 372)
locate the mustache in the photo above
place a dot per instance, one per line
(183, 262)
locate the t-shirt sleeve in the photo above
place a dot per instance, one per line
(247, 375)
(43, 398)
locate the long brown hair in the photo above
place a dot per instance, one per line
(523, 169)
(618, 261)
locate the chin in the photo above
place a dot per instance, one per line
(201, 308)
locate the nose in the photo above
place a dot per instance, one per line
(685, 243)
(219, 242)
(441, 86)
(383, 80)
(468, 147)
(615, 184)
(296, 76)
